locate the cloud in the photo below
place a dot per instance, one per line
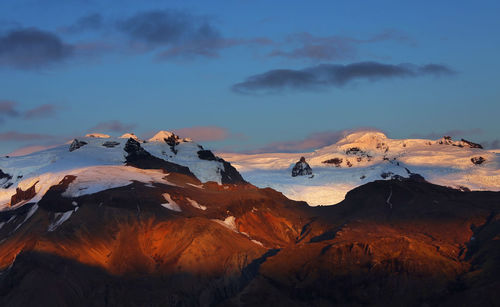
(455, 133)
(164, 27)
(209, 47)
(31, 48)
(312, 141)
(178, 34)
(204, 133)
(89, 22)
(14, 136)
(332, 75)
(494, 144)
(112, 126)
(8, 108)
(305, 45)
(42, 111)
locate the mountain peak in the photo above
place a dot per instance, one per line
(161, 136)
(129, 136)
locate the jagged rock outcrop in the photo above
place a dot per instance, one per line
(477, 160)
(134, 150)
(447, 140)
(76, 144)
(472, 144)
(4, 175)
(110, 144)
(229, 174)
(335, 161)
(301, 168)
(139, 157)
(23, 195)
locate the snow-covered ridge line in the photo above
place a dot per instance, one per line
(366, 156)
(94, 155)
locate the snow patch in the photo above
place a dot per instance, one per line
(28, 215)
(91, 180)
(195, 204)
(229, 223)
(59, 218)
(200, 186)
(171, 205)
(257, 242)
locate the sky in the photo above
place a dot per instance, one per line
(248, 76)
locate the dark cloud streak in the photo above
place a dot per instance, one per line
(31, 48)
(112, 126)
(43, 111)
(8, 108)
(166, 27)
(331, 75)
(91, 22)
(179, 34)
(305, 45)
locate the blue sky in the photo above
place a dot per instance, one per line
(252, 73)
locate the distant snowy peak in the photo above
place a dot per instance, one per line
(130, 136)
(366, 156)
(169, 138)
(97, 135)
(372, 141)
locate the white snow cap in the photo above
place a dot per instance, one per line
(160, 136)
(129, 136)
(97, 135)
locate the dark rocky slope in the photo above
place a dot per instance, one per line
(397, 242)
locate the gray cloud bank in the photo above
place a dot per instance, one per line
(333, 75)
(31, 48)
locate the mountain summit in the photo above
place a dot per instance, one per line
(91, 155)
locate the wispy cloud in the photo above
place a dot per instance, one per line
(204, 133)
(112, 126)
(493, 144)
(43, 111)
(8, 108)
(305, 45)
(160, 28)
(455, 133)
(90, 22)
(179, 34)
(22, 137)
(31, 48)
(332, 75)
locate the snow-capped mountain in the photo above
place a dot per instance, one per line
(100, 162)
(366, 156)
(105, 221)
